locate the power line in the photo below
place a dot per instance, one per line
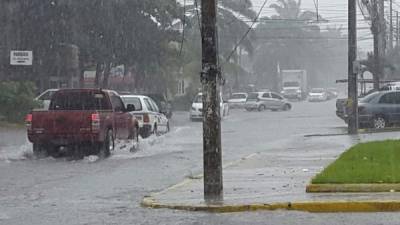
(247, 32)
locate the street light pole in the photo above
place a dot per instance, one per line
(210, 77)
(352, 73)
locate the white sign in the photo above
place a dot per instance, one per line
(21, 58)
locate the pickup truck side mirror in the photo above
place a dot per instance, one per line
(130, 108)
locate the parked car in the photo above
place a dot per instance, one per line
(380, 109)
(266, 100)
(341, 107)
(163, 104)
(45, 97)
(237, 100)
(82, 118)
(196, 110)
(317, 95)
(151, 119)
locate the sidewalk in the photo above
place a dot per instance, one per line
(277, 179)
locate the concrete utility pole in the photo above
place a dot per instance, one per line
(210, 77)
(376, 31)
(382, 37)
(391, 24)
(352, 73)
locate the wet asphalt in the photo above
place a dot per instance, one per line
(90, 191)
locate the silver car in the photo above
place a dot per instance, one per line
(266, 100)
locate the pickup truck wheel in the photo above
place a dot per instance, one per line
(40, 150)
(107, 146)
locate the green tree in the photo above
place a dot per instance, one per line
(292, 40)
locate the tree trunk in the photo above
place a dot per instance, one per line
(106, 75)
(98, 74)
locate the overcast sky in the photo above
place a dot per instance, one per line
(336, 12)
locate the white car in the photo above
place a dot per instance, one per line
(317, 95)
(261, 101)
(237, 100)
(151, 120)
(45, 98)
(196, 111)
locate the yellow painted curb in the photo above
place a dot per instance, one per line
(316, 207)
(324, 188)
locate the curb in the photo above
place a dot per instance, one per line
(314, 207)
(328, 188)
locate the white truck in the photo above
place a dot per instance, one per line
(294, 84)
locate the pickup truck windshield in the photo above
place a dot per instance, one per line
(79, 101)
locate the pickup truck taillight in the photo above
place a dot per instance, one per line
(95, 122)
(28, 121)
(146, 118)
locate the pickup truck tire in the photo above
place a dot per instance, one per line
(107, 146)
(40, 150)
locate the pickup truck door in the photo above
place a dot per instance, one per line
(121, 118)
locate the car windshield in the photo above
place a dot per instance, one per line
(238, 96)
(79, 101)
(252, 96)
(317, 90)
(198, 99)
(291, 84)
(369, 97)
(134, 101)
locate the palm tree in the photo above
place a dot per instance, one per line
(292, 40)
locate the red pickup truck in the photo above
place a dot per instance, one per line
(84, 120)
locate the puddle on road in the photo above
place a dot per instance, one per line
(147, 147)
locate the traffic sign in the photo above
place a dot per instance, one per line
(21, 58)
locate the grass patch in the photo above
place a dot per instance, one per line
(373, 162)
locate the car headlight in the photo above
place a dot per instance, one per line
(298, 91)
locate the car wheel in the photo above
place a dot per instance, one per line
(261, 108)
(379, 122)
(155, 130)
(39, 150)
(286, 107)
(107, 146)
